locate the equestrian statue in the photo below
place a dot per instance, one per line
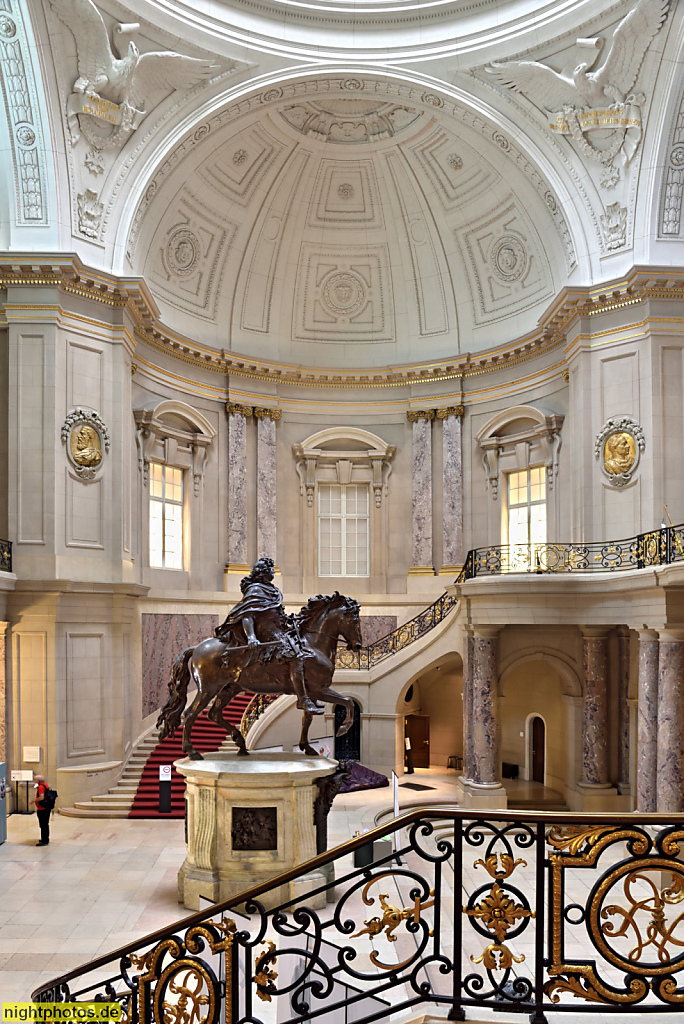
(261, 649)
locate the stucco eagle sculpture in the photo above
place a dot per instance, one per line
(610, 83)
(126, 81)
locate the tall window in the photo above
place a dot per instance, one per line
(166, 516)
(527, 507)
(343, 530)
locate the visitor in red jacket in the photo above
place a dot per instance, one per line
(42, 811)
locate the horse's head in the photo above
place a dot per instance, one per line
(349, 621)
(333, 616)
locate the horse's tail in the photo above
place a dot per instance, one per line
(170, 714)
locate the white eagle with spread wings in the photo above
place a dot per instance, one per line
(610, 83)
(129, 80)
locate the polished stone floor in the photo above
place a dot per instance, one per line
(101, 884)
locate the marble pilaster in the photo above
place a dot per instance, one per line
(623, 709)
(422, 560)
(670, 774)
(595, 710)
(482, 787)
(467, 706)
(237, 486)
(3, 694)
(452, 486)
(266, 481)
(647, 722)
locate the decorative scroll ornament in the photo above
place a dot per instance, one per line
(391, 919)
(111, 92)
(587, 101)
(86, 438)
(619, 445)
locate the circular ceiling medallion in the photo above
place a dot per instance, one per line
(508, 258)
(343, 294)
(183, 252)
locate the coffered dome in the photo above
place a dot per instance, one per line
(350, 221)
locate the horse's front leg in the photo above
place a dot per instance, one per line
(304, 744)
(332, 697)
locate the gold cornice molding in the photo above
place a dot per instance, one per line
(571, 305)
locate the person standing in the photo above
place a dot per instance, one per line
(42, 811)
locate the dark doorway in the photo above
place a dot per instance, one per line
(348, 747)
(538, 744)
(417, 730)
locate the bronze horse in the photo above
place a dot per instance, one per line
(220, 673)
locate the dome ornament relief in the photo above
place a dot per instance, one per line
(509, 258)
(346, 120)
(183, 252)
(601, 100)
(618, 445)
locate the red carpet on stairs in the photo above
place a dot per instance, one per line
(206, 736)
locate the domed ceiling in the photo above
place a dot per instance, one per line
(350, 222)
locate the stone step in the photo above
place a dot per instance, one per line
(125, 787)
(115, 797)
(93, 811)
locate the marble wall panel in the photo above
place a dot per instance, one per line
(164, 637)
(452, 490)
(237, 489)
(373, 627)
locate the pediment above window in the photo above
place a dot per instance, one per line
(344, 455)
(175, 434)
(518, 438)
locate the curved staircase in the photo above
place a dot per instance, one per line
(136, 794)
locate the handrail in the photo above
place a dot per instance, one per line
(657, 547)
(401, 637)
(579, 837)
(5, 556)
(255, 709)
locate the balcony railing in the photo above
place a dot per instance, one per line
(659, 547)
(5, 556)
(399, 638)
(510, 910)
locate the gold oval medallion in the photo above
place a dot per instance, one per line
(85, 445)
(619, 452)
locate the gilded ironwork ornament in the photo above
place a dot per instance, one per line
(618, 446)
(264, 975)
(391, 918)
(87, 440)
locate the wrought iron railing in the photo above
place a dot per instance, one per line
(399, 638)
(659, 547)
(510, 910)
(255, 709)
(5, 556)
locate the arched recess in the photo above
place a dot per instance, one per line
(437, 692)
(541, 684)
(345, 456)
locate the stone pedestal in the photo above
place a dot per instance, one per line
(249, 819)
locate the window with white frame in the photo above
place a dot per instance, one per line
(166, 516)
(343, 530)
(526, 495)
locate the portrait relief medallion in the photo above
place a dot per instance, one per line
(618, 447)
(86, 449)
(619, 452)
(86, 438)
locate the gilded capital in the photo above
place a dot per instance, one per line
(234, 409)
(413, 415)
(451, 410)
(271, 414)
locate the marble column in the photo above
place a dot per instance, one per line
(422, 560)
(266, 481)
(670, 777)
(237, 486)
(595, 710)
(3, 694)
(483, 717)
(623, 709)
(467, 705)
(647, 722)
(452, 486)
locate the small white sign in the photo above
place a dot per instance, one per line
(164, 772)
(407, 743)
(32, 755)
(21, 776)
